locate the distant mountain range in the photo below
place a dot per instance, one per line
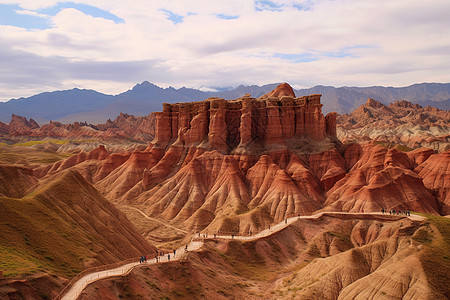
(93, 107)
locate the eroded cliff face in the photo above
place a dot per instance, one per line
(243, 164)
(199, 188)
(244, 123)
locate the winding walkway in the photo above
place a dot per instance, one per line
(197, 243)
(280, 226)
(83, 282)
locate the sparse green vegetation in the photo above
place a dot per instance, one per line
(422, 236)
(36, 236)
(314, 251)
(435, 256)
(153, 285)
(32, 143)
(24, 155)
(342, 237)
(399, 147)
(35, 243)
(251, 267)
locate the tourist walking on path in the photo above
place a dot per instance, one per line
(174, 251)
(168, 257)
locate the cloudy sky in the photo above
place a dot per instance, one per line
(110, 45)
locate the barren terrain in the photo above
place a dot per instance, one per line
(76, 196)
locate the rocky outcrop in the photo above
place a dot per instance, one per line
(435, 172)
(398, 124)
(225, 125)
(201, 188)
(19, 123)
(124, 127)
(18, 126)
(366, 260)
(381, 178)
(240, 165)
(282, 89)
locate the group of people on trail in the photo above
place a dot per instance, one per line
(161, 253)
(397, 212)
(143, 259)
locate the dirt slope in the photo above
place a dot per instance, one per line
(334, 257)
(197, 188)
(62, 227)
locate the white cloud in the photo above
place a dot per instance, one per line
(356, 43)
(31, 13)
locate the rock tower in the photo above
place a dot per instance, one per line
(226, 124)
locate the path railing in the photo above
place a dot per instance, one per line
(201, 236)
(92, 270)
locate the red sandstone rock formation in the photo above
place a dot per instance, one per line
(381, 178)
(435, 172)
(19, 123)
(219, 164)
(283, 89)
(202, 188)
(272, 119)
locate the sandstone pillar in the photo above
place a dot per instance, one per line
(185, 115)
(319, 120)
(175, 123)
(274, 132)
(246, 126)
(309, 126)
(198, 128)
(299, 121)
(288, 121)
(218, 130)
(163, 128)
(331, 125)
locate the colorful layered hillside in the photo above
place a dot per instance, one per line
(197, 180)
(333, 257)
(57, 227)
(126, 127)
(401, 122)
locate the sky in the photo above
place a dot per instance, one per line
(110, 45)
